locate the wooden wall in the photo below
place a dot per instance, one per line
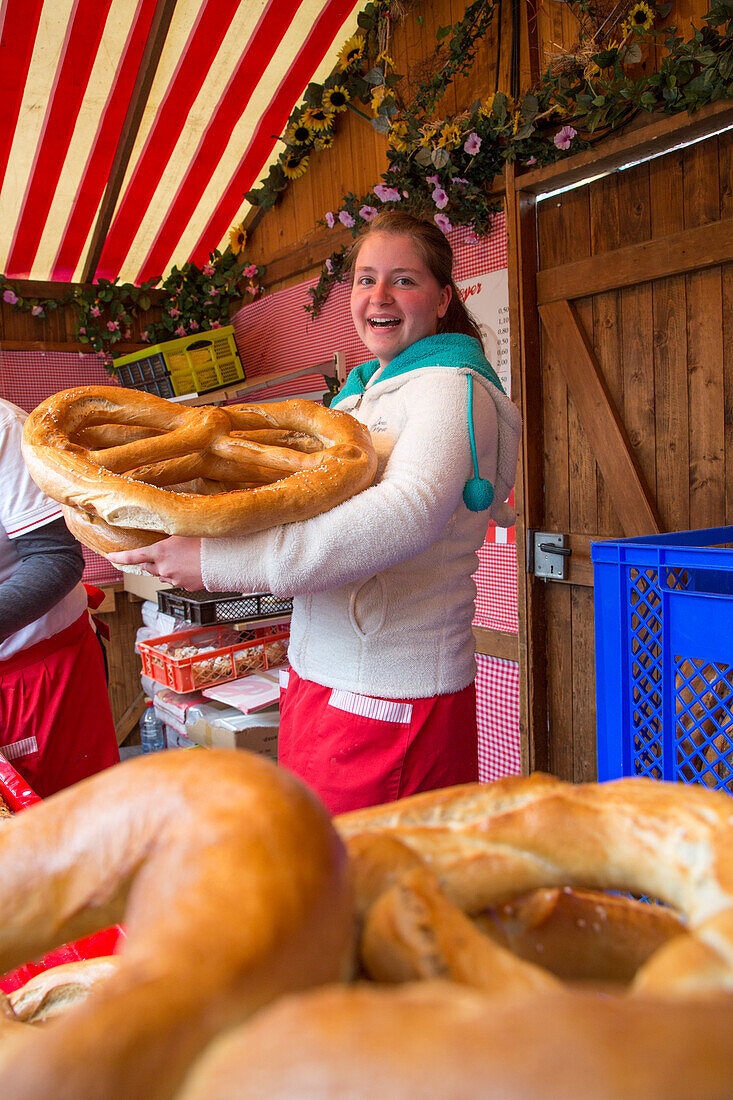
(658, 333)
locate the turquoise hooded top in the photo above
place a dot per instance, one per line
(449, 349)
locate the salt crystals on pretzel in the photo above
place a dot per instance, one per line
(130, 468)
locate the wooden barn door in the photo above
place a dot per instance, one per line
(622, 296)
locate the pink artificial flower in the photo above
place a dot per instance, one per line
(346, 219)
(442, 223)
(472, 144)
(459, 179)
(330, 219)
(173, 312)
(194, 326)
(368, 213)
(329, 266)
(531, 160)
(406, 194)
(95, 311)
(250, 270)
(564, 137)
(127, 334)
(387, 194)
(113, 326)
(145, 336)
(432, 179)
(440, 198)
(180, 331)
(82, 330)
(216, 324)
(10, 297)
(214, 292)
(208, 269)
(37, 311)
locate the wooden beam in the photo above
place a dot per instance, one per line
(575, 356)
(689, 250)
(639, 140)
(524, 335)
(66, 345)
(148, 66)
(496, 643)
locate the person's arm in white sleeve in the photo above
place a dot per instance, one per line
(390, 522)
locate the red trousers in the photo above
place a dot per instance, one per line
(56, 724)
(355, 750)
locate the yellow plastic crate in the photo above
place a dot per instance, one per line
(194, 364)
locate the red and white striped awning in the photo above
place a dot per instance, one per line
(130, 130)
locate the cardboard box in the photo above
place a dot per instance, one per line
(218, 726)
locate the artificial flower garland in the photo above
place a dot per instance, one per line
(191, 299)
(440, 169)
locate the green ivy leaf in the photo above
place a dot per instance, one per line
(381, 124)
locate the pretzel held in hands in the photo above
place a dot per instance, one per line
(131, 468)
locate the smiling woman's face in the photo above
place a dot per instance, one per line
(395, 300)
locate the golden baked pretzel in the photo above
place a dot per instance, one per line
(519, 1036)
(233, 887)
(444, 1041)
(486, 844)
(131, 468)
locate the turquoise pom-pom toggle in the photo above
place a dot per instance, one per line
(478, 494)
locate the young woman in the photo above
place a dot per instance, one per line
(380, 701)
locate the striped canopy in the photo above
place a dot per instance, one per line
(130, 130)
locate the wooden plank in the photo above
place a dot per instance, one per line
(561, 735)
(526, 373)
(148, 65)
(725, 168)
(583, 703)
(669, 343)
(632, 500)
(705, 347)
(639, 140)
(496, 643)
(688, 250)
(66, 345)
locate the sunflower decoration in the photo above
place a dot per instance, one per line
(318, 119)
(237, 238)
(639, 18)
(427, 134)
(486, 106)
(300, 133)
(398, 136)
(325, 139)
(378, 96)
(336, 98)
(351, 52)
(449, 136)
(294, 164)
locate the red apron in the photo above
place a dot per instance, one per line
(56, 724)
(356, 750)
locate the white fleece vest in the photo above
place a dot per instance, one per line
(382, 584)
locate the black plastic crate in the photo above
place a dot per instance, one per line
(148, 373)
(205, 608)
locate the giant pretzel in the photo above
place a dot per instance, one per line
(131, 468)
(422, 869)
(233, 887)
(422, 866)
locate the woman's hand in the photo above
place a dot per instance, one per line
(176, 560)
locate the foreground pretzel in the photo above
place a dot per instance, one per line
(233, 888)
(131, 468)
(446, 1042)
(487, 844)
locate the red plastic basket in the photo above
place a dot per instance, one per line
(193, 659)
(16, 793)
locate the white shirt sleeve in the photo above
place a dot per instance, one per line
(390, 522)
(23, 507)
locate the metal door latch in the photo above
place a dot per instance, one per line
(547, 555)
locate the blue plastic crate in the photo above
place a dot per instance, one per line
(664, 657)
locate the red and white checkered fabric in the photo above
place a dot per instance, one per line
(496, 584)
(497, 712)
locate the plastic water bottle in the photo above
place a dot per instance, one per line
(152, 731)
